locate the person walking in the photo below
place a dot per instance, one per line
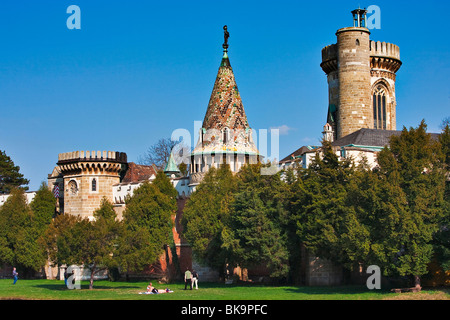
(187, 279)
(195, 279)
(15, 275)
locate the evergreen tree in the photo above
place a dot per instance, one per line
(206, 214)
(378, 207)
(165, 186)
(415, 160)
(442, 237)
(18, 243)
(43, 208)
(319, 205)
(255, 235)
(10, 177)
(147, 226)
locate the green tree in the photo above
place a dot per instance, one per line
(442, 237)
(54, 237)
(80, 241)
(18, 243)
(43, 208)
(147, 225)
(415, 160)
(206, 214)
(378, 209)
(255, 235)
(319, 206)
(165, 186)
(10, 177)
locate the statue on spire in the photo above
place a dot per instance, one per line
(226, 36)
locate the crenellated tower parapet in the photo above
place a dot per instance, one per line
(329, 58)
(92, 162)
(384, 59)
(84, 178)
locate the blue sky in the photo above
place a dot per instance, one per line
(137, 70)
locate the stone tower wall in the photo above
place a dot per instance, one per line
(80, 169)
(355, 109)
(353, 72)
(330, 66)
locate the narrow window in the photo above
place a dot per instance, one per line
(94, 184)
(357, 42)
(226, 135)
(380, 116)
(379, 108)
(375, 118)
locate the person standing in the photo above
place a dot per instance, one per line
(15, 275)
(195, 279)
(66, 276)
(187, 279)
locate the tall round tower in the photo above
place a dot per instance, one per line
(353, 50)
(361, 80)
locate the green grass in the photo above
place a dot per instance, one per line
(106, 290)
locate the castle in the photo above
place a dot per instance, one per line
(361, 117)
(361, 75)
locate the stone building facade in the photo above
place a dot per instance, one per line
(361, 76)
(84, 178)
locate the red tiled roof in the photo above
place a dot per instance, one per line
(138, 172)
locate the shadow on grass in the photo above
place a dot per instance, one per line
(63, 287)
(338, 290)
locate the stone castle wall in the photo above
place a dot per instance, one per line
(84, 201)
(87, 177)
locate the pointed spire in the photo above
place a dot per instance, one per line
(171, 166)
(225, 127)
(225, 107)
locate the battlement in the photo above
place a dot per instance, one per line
(329, 58)
(111, 156)
(330, 52)
(383, 49)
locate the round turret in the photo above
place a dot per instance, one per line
(361, 78)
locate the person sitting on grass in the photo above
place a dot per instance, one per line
(152, 290)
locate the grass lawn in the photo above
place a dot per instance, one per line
(106, 290)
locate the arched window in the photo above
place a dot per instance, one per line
(380, 96)
(94, 184)
(357, 42)
(73, 187)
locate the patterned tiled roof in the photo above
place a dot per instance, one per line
(225, 107)
(225, 127)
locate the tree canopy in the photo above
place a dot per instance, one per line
(10, 176)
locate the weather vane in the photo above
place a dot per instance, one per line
(226, 36)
